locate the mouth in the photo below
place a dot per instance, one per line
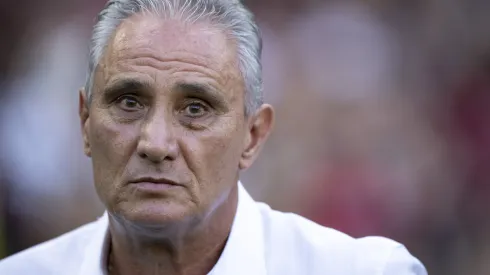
(154, 184)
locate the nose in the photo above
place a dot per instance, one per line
(157, 142)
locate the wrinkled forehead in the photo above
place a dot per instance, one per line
(146, 35)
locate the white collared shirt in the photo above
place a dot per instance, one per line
(262, 241)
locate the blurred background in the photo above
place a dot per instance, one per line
(383, 121)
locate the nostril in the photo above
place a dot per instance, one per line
(155, 158)
(143, 155)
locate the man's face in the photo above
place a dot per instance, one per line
(166, 128)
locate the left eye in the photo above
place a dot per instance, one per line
(195, 109)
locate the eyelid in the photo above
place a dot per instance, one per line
(196, 101)
(131, 95)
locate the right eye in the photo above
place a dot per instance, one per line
(129, 103)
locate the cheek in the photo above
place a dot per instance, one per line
(213, 156)
(111, 149)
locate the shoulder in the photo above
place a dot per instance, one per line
(55, 256)
(314, 249)
(387, 257)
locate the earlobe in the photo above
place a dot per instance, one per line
(261, 125)
(83, 112)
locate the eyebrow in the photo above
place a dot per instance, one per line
(127, 85)
(197, 88)
(194, 87)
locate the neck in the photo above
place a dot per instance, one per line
(183, 250)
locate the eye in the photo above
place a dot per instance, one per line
(195, 110)
(129, 103)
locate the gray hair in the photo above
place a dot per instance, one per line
(228, 14)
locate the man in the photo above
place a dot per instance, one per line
(171, 112)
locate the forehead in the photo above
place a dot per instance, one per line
(146, 37)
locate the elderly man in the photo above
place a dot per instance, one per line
(171, 112)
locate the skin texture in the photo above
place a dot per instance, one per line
(168, 106)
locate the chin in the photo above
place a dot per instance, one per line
(155, 214)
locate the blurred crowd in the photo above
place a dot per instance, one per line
(383, 121)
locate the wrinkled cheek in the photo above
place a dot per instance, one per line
(107, 157)
(219, 164)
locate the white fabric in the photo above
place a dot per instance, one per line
(262, 241)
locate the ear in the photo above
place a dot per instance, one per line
(83, 111)
(260, 127)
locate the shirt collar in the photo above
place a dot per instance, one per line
(95, 255)
(243, 253)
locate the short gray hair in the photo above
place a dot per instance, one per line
(228, 14)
